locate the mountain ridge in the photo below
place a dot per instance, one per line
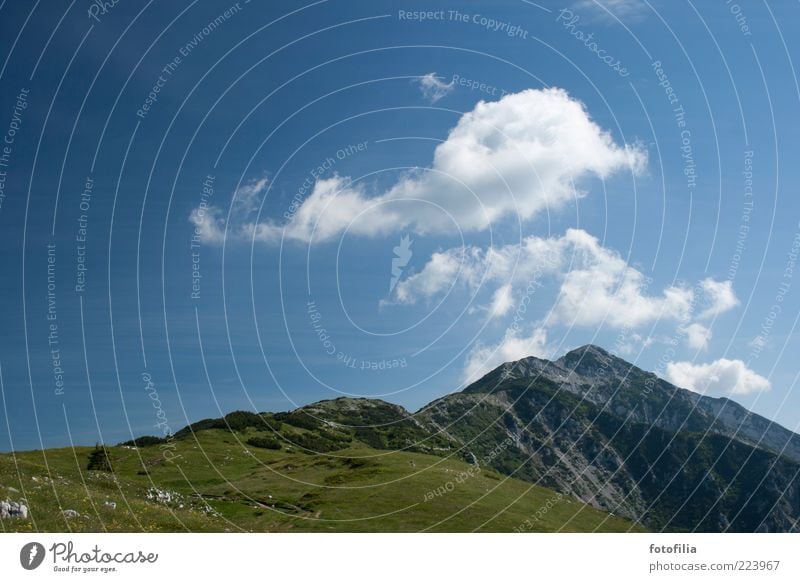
(767, 434)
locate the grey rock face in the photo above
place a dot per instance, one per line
(601, 378)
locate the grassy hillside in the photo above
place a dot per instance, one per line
(218, 482)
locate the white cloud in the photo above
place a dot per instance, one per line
(722, 376)
(697, 336)
(483, 359)
(516, 156)
(432, 87)
(626, 10)
(719, 297)
(596, 283)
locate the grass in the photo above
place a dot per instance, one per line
(220, 483)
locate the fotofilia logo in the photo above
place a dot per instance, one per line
(402, 255)
(31, 555)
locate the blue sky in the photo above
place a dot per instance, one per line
(292, 202)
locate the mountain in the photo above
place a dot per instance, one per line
(598, 428)
(588, 442)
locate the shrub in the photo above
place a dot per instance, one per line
(264, 443)
(299, 419)
(99, 460)
(143, 441)
(313, 443)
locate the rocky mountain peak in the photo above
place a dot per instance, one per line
(592, 361)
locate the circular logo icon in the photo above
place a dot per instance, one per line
(31, 555)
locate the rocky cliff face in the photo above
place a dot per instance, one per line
(598, 377)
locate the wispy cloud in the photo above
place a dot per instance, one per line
(605, 10)
(211, 221)
(432, 87)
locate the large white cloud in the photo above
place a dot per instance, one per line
(722, 376)
(514, 346)
(516, 156)
(596, 284)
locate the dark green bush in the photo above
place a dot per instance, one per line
(313, 443)
(299, 419)
(143, 441)
(99, 460)
(264, 443)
